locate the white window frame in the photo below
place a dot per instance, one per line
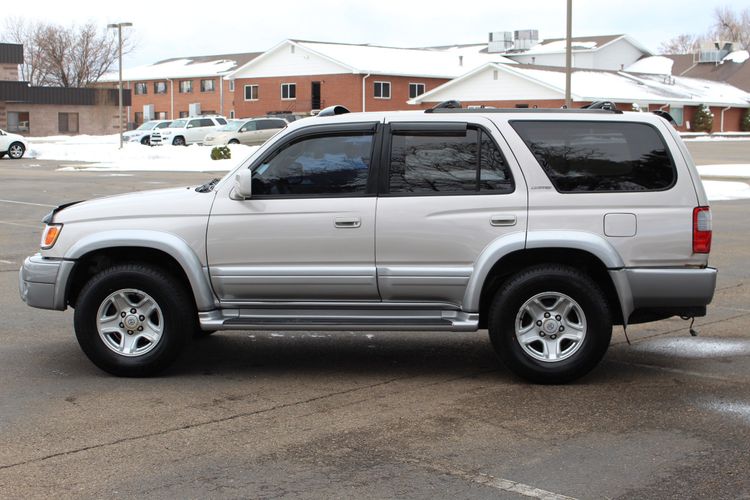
(213, 85)
(417, 84)
(288, 84)
(257, 92)
(185, 91)
(375, 84)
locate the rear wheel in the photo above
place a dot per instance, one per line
(133, 320)
(550, 324)
(16, 150)
(233, 141)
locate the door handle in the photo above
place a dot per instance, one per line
(503, 220)
(347, 222)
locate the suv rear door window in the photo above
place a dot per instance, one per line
(595, 156)
(429, 162)
(318, 165)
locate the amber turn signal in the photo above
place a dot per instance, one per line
(50, 234)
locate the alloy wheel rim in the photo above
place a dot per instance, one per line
(16, 151)
(130, 322)
(550, 327)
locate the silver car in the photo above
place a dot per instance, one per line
(546, 227)
(252, 132)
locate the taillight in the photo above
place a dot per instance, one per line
(701, 230)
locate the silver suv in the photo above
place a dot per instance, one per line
(546, 227)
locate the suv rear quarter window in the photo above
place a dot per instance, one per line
(596, 156)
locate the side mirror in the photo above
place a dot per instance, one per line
(190, 125)
(243, 184)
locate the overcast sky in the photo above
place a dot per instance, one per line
(165, 29)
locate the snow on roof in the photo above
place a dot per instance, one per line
(657, 65)
(581, 43)
(444, 62)
(738, 56)
(596, 85)
(173, 68)
(559, 46)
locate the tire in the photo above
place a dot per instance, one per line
(2, 155)
(557, 348)
(233, 141)
(154, 339)
(16, 150)
(179, 141)
(146, 141)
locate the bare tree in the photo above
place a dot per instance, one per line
(732, 26)
(59, 56)
(681, 44)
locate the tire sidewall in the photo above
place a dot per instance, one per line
(23, 151)
(161, 289)
(508, 303)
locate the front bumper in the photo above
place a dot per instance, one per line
(42, 282)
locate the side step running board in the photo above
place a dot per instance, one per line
(340, 319)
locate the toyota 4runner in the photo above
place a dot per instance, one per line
(546, 227)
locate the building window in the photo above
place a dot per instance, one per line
(141, 88)
(160, 115)
(67, 122)
(231, 114)
(382, 90)
(231, 85)
(678, 114)
(18, 121)
(138, 117)
(208, 85)
(288, 90)
(251, 92)
(160, 87)
(186, 86)
(415, 90)
(183, 114)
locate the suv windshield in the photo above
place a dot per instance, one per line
(178, 124)
(147, 126)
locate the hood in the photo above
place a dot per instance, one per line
(173, 202)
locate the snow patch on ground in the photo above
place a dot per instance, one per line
(101, 153)
(726, 190)
(735, 409)
(695, 348)
(728, 170)
(701, 137)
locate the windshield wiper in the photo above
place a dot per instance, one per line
(209, 186)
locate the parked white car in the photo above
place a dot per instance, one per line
(13, 145)
(188, 130)
(143, 133)
(252, 132)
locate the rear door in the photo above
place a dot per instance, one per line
(448, 190)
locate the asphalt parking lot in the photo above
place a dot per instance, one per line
(368, 414)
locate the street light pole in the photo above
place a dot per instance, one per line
(119, 27)
(568, 54)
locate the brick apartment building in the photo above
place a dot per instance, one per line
(42, 111)
(180, 87)
(302, 77)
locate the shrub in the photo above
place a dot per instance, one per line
(221, 153)
(703, 119)
(745, 123)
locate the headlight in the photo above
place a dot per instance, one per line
(49, 236)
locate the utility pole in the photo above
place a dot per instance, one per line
(568, 54)
(119, 27)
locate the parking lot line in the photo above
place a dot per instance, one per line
(35, 226)
(28, 203)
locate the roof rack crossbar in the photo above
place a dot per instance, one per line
(526, 110)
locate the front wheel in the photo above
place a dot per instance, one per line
(133, 320)
(550, 324)
(146, 141)
(16, 150)
(178, 141)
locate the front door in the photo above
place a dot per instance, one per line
(449, 192)
(308, 230)
(315, 93)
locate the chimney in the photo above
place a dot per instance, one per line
(500, 41)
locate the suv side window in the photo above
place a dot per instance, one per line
(596, 156)
(206, 122)
(426, 162)
(270, 124)
(249, 127)
(221, 121)
(333, 164)
(194, 123)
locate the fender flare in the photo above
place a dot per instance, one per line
(168, 243)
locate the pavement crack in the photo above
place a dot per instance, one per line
(198, 424)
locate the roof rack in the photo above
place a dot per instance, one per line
(453, 106)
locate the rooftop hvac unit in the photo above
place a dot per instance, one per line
(500, 41)
(713, 51)
(525, 39)
(194, 109)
